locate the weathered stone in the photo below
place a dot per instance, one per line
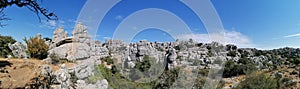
(80, 34)
(63, 77)
(71, 51)
(59, 34)
(18, 50)
(84, 69)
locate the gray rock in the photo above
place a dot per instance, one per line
(80, 34)
(84, 69)
(18, 50)
(100, 84)
(59, 34)
(63, 77)
(72, 51)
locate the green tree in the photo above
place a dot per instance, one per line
(4, 41)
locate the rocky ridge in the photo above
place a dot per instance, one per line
(86, 53)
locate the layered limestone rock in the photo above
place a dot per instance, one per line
(72, 48)
(80, 34)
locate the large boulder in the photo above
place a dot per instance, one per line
(84, 69)
(72, 51)
(18, 50)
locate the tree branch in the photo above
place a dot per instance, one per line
(32, 5)
(2, 18)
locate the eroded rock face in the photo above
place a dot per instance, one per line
(59, 34)
(84, 69)
(63, 78)
(80, 34)
(18, 50)
(72, 51)
(72, 48)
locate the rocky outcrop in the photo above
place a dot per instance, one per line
(62, 78)
(18, 50)
(80, 49)
(59, 34)
(80, 34)
(72, 48)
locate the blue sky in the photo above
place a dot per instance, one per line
(264, 24)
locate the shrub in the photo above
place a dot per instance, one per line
(203, 72)
(54, 58)
(108, 60)
(37, 47)
(231, 53)
(4, 41)
(258, 81)
(145, 65)
(232, 69)
(116, 80)
(244, 61)
(296, 61)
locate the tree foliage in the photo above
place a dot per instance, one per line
(4, 41)
(37, 47)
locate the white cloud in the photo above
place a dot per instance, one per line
(106, 38)
(119, 17)
(231, 37)
(52, 23)
(292, 35)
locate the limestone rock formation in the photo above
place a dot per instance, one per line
(72, 48)
(59, 34)
(80, 34)
(18, 50)
(63, 78)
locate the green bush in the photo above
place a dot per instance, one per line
(296, 61)
(37, 47)
(4, 41)
(108, 60)
(144, 65)
(231, 53)
(258, 81)
(233, 69)
(116, 80)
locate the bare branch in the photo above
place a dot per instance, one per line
(32, 5)
(2, 18)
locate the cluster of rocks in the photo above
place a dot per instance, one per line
(80, 49)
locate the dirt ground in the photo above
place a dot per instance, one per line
(16, 73)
